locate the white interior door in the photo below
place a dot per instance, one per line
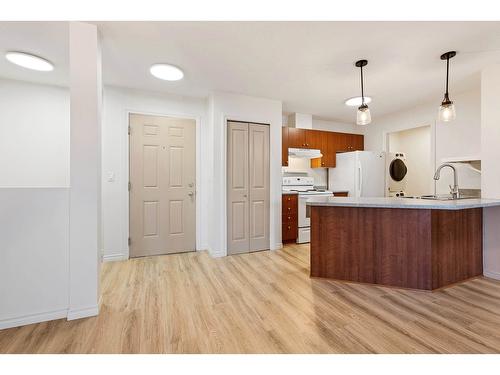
(162, 177)
(259, 186)
(238, 240)
(247, 187)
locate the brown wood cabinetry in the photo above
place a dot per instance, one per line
(289, 217)
(409, 248)
(284, 146)
(314, 138)
(330, 143)
(341, 194)
(349, 142)
(296, 138)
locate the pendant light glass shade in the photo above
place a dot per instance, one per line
(447, 108)
(363, 116)
(447, 111)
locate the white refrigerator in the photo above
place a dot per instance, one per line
(361, 173)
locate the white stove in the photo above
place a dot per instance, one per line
(304, 187)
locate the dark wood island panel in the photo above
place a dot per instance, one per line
(411, 248)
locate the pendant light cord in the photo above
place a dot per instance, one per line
(447, 74)
(362, 88)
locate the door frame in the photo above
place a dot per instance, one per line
(126, 172)
(243, 119)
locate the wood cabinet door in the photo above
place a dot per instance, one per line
(341, 141)
(322, 145)
(296, 138)
(330, 157)
(313, 139)
(284, 146)
(289, 229)
(358, 142)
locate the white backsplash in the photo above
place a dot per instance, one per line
(304, 166)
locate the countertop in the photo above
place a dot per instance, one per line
(332, 191)
(460, 204)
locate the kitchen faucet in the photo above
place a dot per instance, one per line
(453, 190)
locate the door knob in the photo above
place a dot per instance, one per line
(190, 193)
(190, 184)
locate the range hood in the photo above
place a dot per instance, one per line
(304, 153)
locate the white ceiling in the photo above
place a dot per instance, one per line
(307, 65)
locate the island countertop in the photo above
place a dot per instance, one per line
(415, 203)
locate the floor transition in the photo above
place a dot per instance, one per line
(265, 303)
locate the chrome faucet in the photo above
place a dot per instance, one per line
(453, 190)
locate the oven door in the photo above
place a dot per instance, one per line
(303, 220)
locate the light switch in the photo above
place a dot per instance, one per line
(111, 176)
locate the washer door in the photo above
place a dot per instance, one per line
(397, 170)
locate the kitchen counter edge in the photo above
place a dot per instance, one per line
(461, 204)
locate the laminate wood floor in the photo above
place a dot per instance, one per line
(264, 303)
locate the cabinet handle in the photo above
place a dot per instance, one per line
(289, 199)
(289, 218)
(289, 227)
(289, 208)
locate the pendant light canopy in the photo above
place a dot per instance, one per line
(447, 108)
(363, 116)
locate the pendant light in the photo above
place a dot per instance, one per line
(363, 116)
(447, 108)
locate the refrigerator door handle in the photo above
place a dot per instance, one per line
(360, 179)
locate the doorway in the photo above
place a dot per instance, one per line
(247, 187)
(162, 189)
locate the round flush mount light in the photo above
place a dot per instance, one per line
(166, 72)
(357, 101)
(29, 61)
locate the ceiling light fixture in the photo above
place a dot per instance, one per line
(356, 101)
(29, 61)
(363, 116)
(447, 108)
(166, 72)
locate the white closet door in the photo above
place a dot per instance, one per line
(237, 189)
(259, 186)
(247, 187)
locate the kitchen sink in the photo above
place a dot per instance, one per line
(444, 197)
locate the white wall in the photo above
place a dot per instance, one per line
(34, 135)
(461, 137)
(328, 125)
(223, 107)
(490, 179)
(34, 241)
(85, 167)
(416, 144)
(34, 202)
(118, 102)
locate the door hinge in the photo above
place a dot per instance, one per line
(129, 130)
(129, 186)
(129, 241)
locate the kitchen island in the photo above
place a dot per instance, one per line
(409, 243)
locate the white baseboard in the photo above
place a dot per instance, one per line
(114, 257)
(492, 274)
(35, 318)
(277, 246)
(83, 313)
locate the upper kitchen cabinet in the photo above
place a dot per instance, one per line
(314, 139)
(329, 143)
(296, 138)
(349, 142)
(357, 142)
(284, 146)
